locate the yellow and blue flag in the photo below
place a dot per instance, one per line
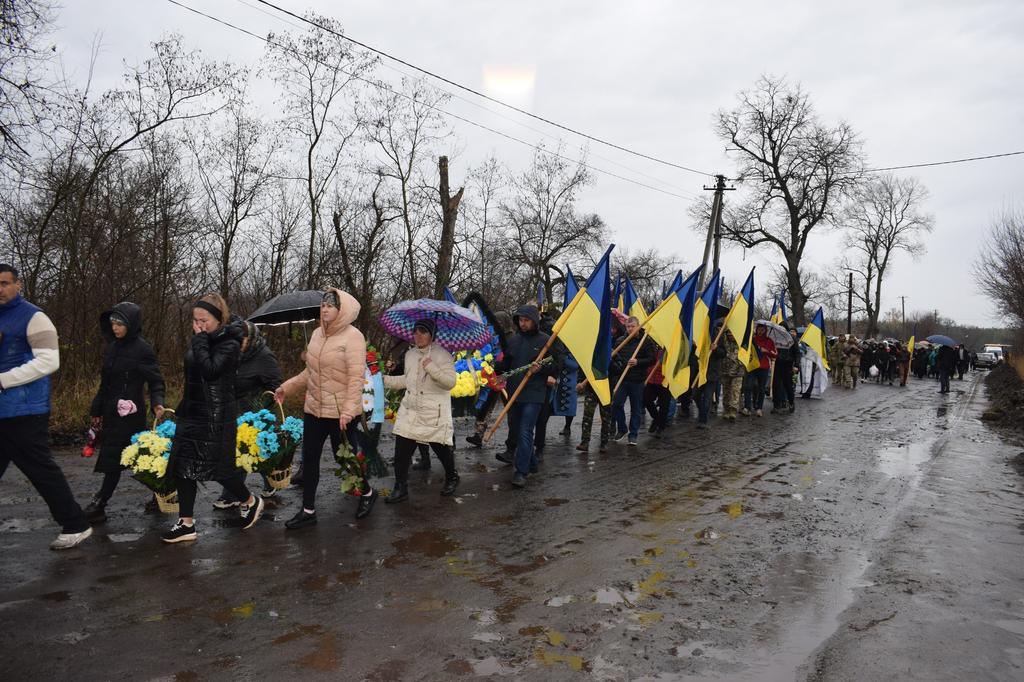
(449, 296)
(670, 325)
(585, 327)
(779, 315)
(814, 337)
(631, 303)
(740, 319)
(663, 321)
(704, 314)
(571, 288)
(910, 344)
(617, 295)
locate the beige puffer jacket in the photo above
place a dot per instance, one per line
(335, 366)
(425, 414)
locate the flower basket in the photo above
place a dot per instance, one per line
(147, 456)
(167, 502)
(279, 479)
(265, 444)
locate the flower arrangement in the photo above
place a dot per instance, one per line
(474, 370)
(352, 469)
(263, 444)
(146, 456)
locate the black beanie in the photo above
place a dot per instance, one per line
(428, 325)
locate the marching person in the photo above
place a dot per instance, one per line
(707, 389)
(333, 384)
(29, 354)
(425, 414)
(119, 408)
(632, 387)
(851, 361)
(766, 352)
(783, 389)
(203, 448)
(258, 372)
(733, 373)
(657, 397)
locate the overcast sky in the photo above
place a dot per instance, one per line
(921, 81)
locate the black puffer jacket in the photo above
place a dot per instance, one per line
(128, 365)
(258, 372)
(644, 357)
(204, 445)
(522, 349)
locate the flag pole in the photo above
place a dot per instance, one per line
(540, 356)
(643, 325)
(631, 358)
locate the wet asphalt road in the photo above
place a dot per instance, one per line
(876, 534)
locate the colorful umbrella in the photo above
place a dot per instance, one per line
(457, 327)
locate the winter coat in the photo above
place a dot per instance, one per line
(946, 359)
(335, 366)
(644, 357)
(851, 354)
(731, 365)
(128, 365)
(522, 350)
(718, 356)
(765, 350)
(258, 372)
(425, 414)
(204, 443)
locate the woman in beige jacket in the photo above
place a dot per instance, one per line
(425, 415)
(333, 384)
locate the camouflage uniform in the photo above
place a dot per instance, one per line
(732, 376)
(835, 361)
(591, 403)
(851, 356)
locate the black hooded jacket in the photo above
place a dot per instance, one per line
(522, 349)
(129, 364)
(258, 372)
(204, 445)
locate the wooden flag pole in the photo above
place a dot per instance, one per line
(540, 356)
(636, 351)
(643, 325)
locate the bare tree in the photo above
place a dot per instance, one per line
(999, 267)
(884, 217)
(483, 219)
(314, 70)
(647, 269)
(796, 171)
(449, 214)
(545, 229)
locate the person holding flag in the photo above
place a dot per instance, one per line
(767, 352)
(732, 373)
(631, 364)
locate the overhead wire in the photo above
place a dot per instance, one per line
(380, 85)
(477, 105)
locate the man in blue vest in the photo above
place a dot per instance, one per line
(28, 356)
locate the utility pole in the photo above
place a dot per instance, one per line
(903, 310)
(849, 308)
(714, 229)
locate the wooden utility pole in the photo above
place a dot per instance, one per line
(849, 308)
(903, 312)
(714, 229)
(449, 212)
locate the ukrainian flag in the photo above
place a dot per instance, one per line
(617, 296)
(677, 314)
(910, 344)
(704, 325)
(741, 318)
(571, 288)
(814, 337)
(585, 327)
(663, 321)
(631, 303)
(449, 296)
(754, 363)
(779, 315)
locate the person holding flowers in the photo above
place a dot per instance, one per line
(425, 415)
(204, 442)
(119, 408)
(333, 385)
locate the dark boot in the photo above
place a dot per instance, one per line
(476, 440)
(366, 502)
(422, 464)
(95, 512)
(450, 484)
(400, 493)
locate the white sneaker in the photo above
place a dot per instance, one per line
(69, 540)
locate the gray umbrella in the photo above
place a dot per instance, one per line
(777, 333)
(293, 306)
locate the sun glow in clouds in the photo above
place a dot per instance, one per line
(511, 84)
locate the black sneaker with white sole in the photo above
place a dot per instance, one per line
(251, 513)
(180, 533)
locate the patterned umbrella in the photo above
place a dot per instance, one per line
(458, 328)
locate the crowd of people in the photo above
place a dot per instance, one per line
(891, 361)
(229, 368)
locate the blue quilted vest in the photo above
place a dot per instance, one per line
(34, 397)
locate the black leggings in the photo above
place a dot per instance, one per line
(187, 494)
(109, 485)
(404, 447)
(316, 430)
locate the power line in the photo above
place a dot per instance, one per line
(445, 112)
(474, 103)
(943, 163)
(481, 94)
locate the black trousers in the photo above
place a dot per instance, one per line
(656, 400)
(405, 447)
(24, 441)
(316, 431)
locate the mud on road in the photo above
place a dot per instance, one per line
(875, 534)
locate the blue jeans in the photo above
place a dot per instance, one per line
(634, 391)
(704, 394)
(526, 415)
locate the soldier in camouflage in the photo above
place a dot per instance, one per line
(590, 404)
(732, 375)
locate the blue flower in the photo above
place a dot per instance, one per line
(486, 349)
(477, 364)
(135, 438)
(166, 429)
(267, 442)
(293, 427)
(461, 366)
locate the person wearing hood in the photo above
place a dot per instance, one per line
(258, 372)
(333, 386)
(523, 349)
(633, 360)
(203, 448)
(425, 414)
(119, 407)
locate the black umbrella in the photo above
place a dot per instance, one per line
(294, 306)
